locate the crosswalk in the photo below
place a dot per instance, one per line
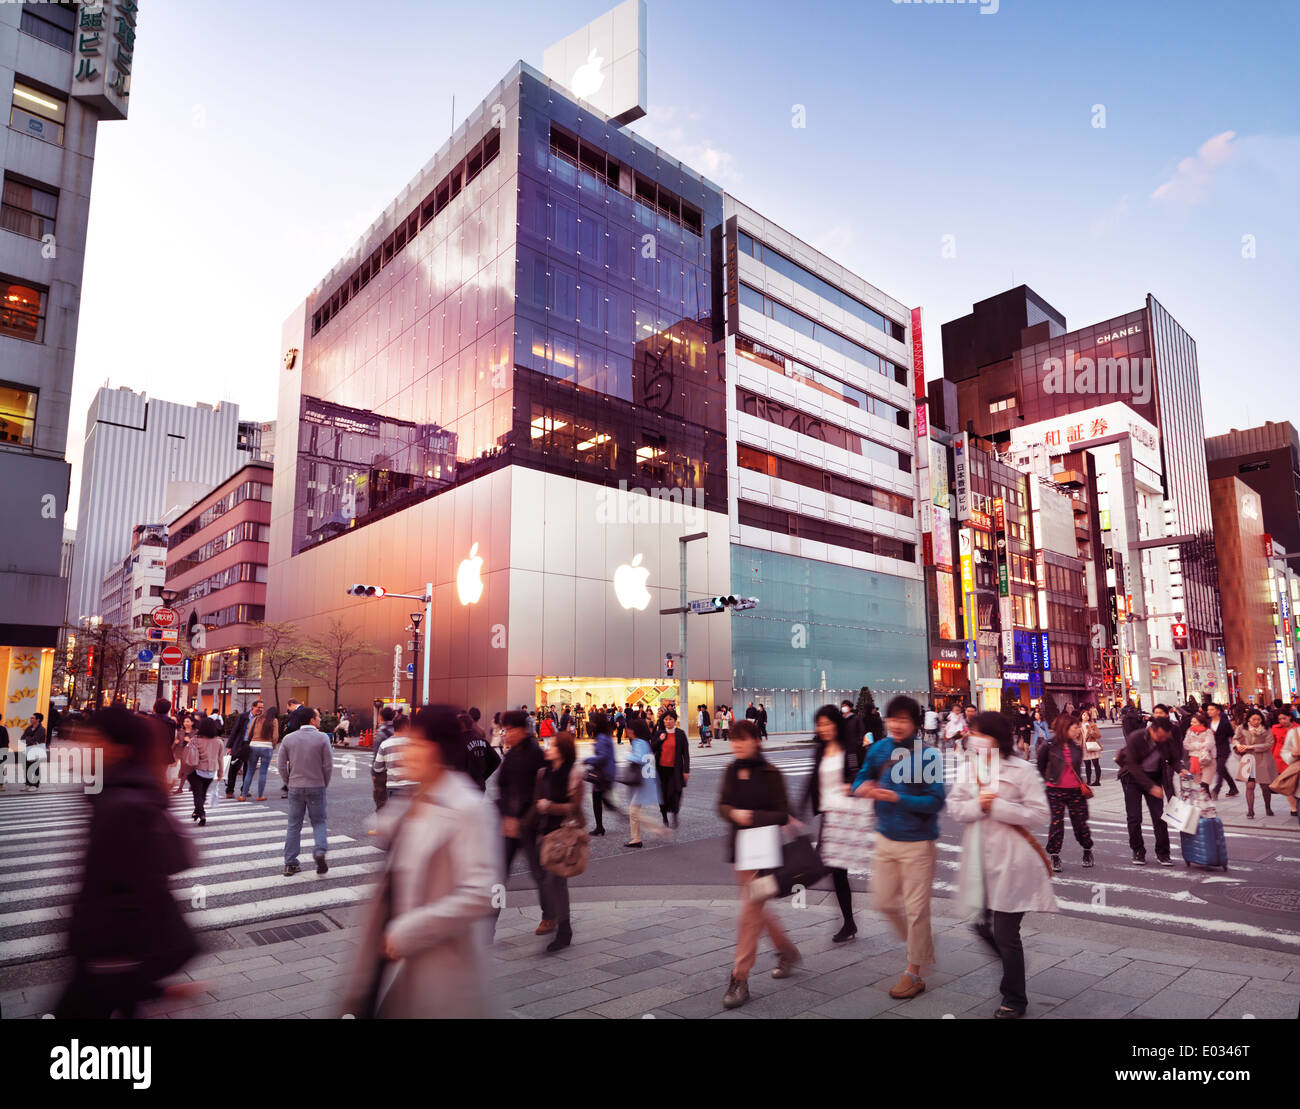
(238, 878)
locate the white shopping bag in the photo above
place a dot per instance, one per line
(758, 848)
(1181, 815)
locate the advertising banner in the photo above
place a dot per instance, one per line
(942, 539)
(947, 606)
(961, 475)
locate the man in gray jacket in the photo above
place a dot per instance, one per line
(306, 763)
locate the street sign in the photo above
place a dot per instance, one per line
(145, 655)
(162, 635)
(171, 655)
(169, 673)
(163, 617)
(410, 669)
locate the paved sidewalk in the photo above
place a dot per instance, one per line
(666, 953)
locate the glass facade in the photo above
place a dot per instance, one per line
(821, 633)
(554, 309)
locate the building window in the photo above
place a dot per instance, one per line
(52, 23)
(1002, 404)
(27, 210)
(22, 310)
(17, 414)
(36, 113)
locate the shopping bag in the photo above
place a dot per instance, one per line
(800, 866)
(848, 835)
(1181, 815)
(1285, 783)
(1246, 768)
(758, 848)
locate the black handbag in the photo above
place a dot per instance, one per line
(631, 775)
(801, 865)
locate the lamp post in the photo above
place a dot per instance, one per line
(168, 596)
(416, 617)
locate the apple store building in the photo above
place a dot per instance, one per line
(558, 354)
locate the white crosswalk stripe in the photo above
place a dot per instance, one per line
(238, 878)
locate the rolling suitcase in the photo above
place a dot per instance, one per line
(1207, 845)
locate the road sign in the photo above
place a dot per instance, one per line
(163, 617)
(171, 655)
(162, 635)
(410, 669)
(145, 655)
(169, 673)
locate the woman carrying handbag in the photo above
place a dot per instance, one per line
(1004, 870)
(836, 762)
(1091, 749)
(1059, 762)
(563, 845)
(1254, 743)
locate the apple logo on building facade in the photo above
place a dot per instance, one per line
(589, 76)
(469, 582)
(629, 585)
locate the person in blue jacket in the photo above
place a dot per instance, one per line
(645, 793)
(601, 770)
(905, 779)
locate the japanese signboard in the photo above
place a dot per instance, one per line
(939, 475)
(104, 53)
(942, 538)
(1008, 628)
(961, 475)
(1080, 430)
(918, 356)
(947, 608)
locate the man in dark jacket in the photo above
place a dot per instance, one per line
(1149, 764)
(516, 783)
(1178, 727)
(481, 760)
(238, 742)
(1221, 725)
(34, 742)
(854, 726)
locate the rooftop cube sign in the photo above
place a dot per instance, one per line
(604, 63)
(104, 54)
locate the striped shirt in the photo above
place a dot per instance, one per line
(388, 761)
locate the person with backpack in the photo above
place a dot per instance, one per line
(201, 763)
(378, 769)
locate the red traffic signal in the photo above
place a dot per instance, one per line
(1179, 633)
(367, 591)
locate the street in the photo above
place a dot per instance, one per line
(238, 882)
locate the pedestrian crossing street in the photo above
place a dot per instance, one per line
(239, 877)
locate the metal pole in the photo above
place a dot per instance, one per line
(415, 671)
(683, 705)
(428, 624)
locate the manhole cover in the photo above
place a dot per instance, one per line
(1266, 897)
(287, 932)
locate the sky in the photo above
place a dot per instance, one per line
(1096, 152)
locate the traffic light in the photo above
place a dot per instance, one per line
(1179, 632)
(720, 603)
(367, 591)
(668, 665)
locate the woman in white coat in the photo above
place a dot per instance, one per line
(423, 950)
(1005, 873)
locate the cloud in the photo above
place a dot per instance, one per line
(668, 129)
(1190, 184)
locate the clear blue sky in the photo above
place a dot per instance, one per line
(265, 137)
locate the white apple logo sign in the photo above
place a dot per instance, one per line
(629, 585)
(468, 582)
(588, 77)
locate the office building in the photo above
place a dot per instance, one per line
(135, 446)
(557, 353)
(64, 69)
(1130, 383)
(216, 567)
(1267, 459)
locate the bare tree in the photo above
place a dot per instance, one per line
(100, 657)
(343, 658)
(286, 652)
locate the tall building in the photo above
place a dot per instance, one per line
(1128, 381)
(216, 564)
(64, 69)
(134, 447)
(1267, 459)
(555, 355)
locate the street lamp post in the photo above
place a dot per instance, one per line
(416, 617)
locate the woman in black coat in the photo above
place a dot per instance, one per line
(127, 931)
(837, 758)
